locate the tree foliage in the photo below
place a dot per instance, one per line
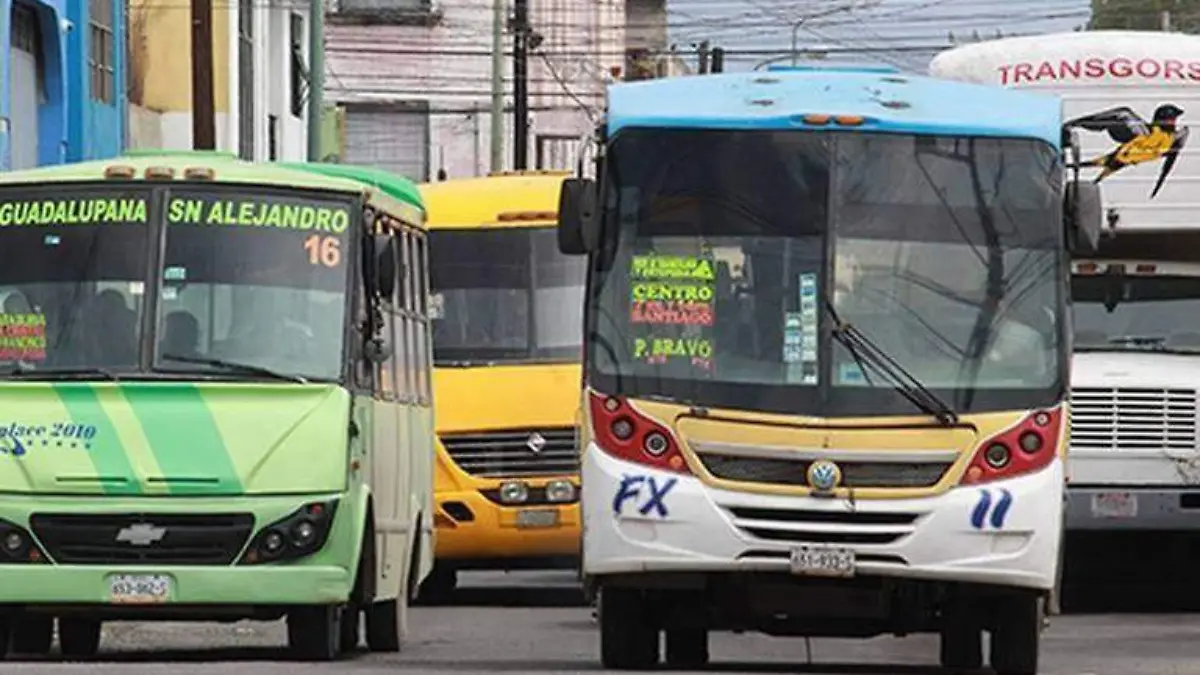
(1145, 15)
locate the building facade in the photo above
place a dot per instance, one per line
(62, 81)
(413, 80)
(260, 77)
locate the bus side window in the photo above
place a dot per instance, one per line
(364, 371)
(404, 339)
(421, 309)
(387, 369)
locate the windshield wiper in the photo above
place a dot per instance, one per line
(28, 373)
(235, 366)
(862, 349)
(1138, 340)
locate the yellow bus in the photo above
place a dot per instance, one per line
(507, 311)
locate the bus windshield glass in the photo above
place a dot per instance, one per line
(733, 250)
(1129, 312)
(72, 265)
(255, 280)
(504, 296)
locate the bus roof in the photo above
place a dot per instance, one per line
(380, 188)
(513, 199)
(886, 101)
(397, 186)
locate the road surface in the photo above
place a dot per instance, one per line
(488, 631)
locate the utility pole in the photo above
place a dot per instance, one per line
(204, 133)
(316, 77)
(718, 60)
(497, 85)
(520, 84)
(703, 54)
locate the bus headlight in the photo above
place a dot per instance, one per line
(997, 455)
(514, 492)
(18, 546)
(560, 491)
(301, 533)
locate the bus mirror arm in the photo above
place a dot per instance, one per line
(578, 220)
(387, 268)
(1086, 217)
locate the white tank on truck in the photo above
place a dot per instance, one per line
(1131, 98)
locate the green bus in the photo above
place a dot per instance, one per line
(215, 400)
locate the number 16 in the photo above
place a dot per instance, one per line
(323, 251)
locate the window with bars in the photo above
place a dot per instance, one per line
(246, 79)
(101, 50)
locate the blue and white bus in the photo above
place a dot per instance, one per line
(827, 360)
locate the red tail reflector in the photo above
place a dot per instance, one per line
(1024, 448)
(626, 434)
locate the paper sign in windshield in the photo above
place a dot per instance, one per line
(22, 337)
(672, 308)
(77, 211)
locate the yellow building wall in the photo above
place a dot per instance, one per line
(160, 70)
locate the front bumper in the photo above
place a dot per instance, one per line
(492, 534)
(214, 586)
(325, 576)
(1099, 508)
(697, 528)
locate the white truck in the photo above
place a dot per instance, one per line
(1133, 467)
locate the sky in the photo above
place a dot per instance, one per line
(902, 33)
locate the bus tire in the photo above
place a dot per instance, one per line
(1016, 635)
(33, 635)
(78, 637)
(385, 624)
(961, 646)
(315, 632)
(438, 587)
(628, 637)
(351, 627)
(687, 648)
(5, 635)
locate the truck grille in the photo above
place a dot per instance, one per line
(823, 527)
(186, 539)
(872, 474)
(515, 454)
(1133, 419)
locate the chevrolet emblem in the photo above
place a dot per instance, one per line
(141, 534)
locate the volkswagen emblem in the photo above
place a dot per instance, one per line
(535, 442)
(824, 475)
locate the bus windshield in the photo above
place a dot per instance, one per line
(504, 296)
(727, 253)
(1119, 312)
(72, 265)
(255, 280)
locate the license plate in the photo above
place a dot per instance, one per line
(139, 589)
(537, 518)
(1114, 505)
(823, 561)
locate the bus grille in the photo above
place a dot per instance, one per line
(116, 539)
(515, 454)
(871, 474)
(1133, 419)
(823, 527)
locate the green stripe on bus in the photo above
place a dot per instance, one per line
(114, 472)
(181, 430)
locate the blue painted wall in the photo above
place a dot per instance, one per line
(72, 126)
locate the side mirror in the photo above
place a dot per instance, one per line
(578, 222)
(377, 350)
(387, 270)
(1086, 210)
